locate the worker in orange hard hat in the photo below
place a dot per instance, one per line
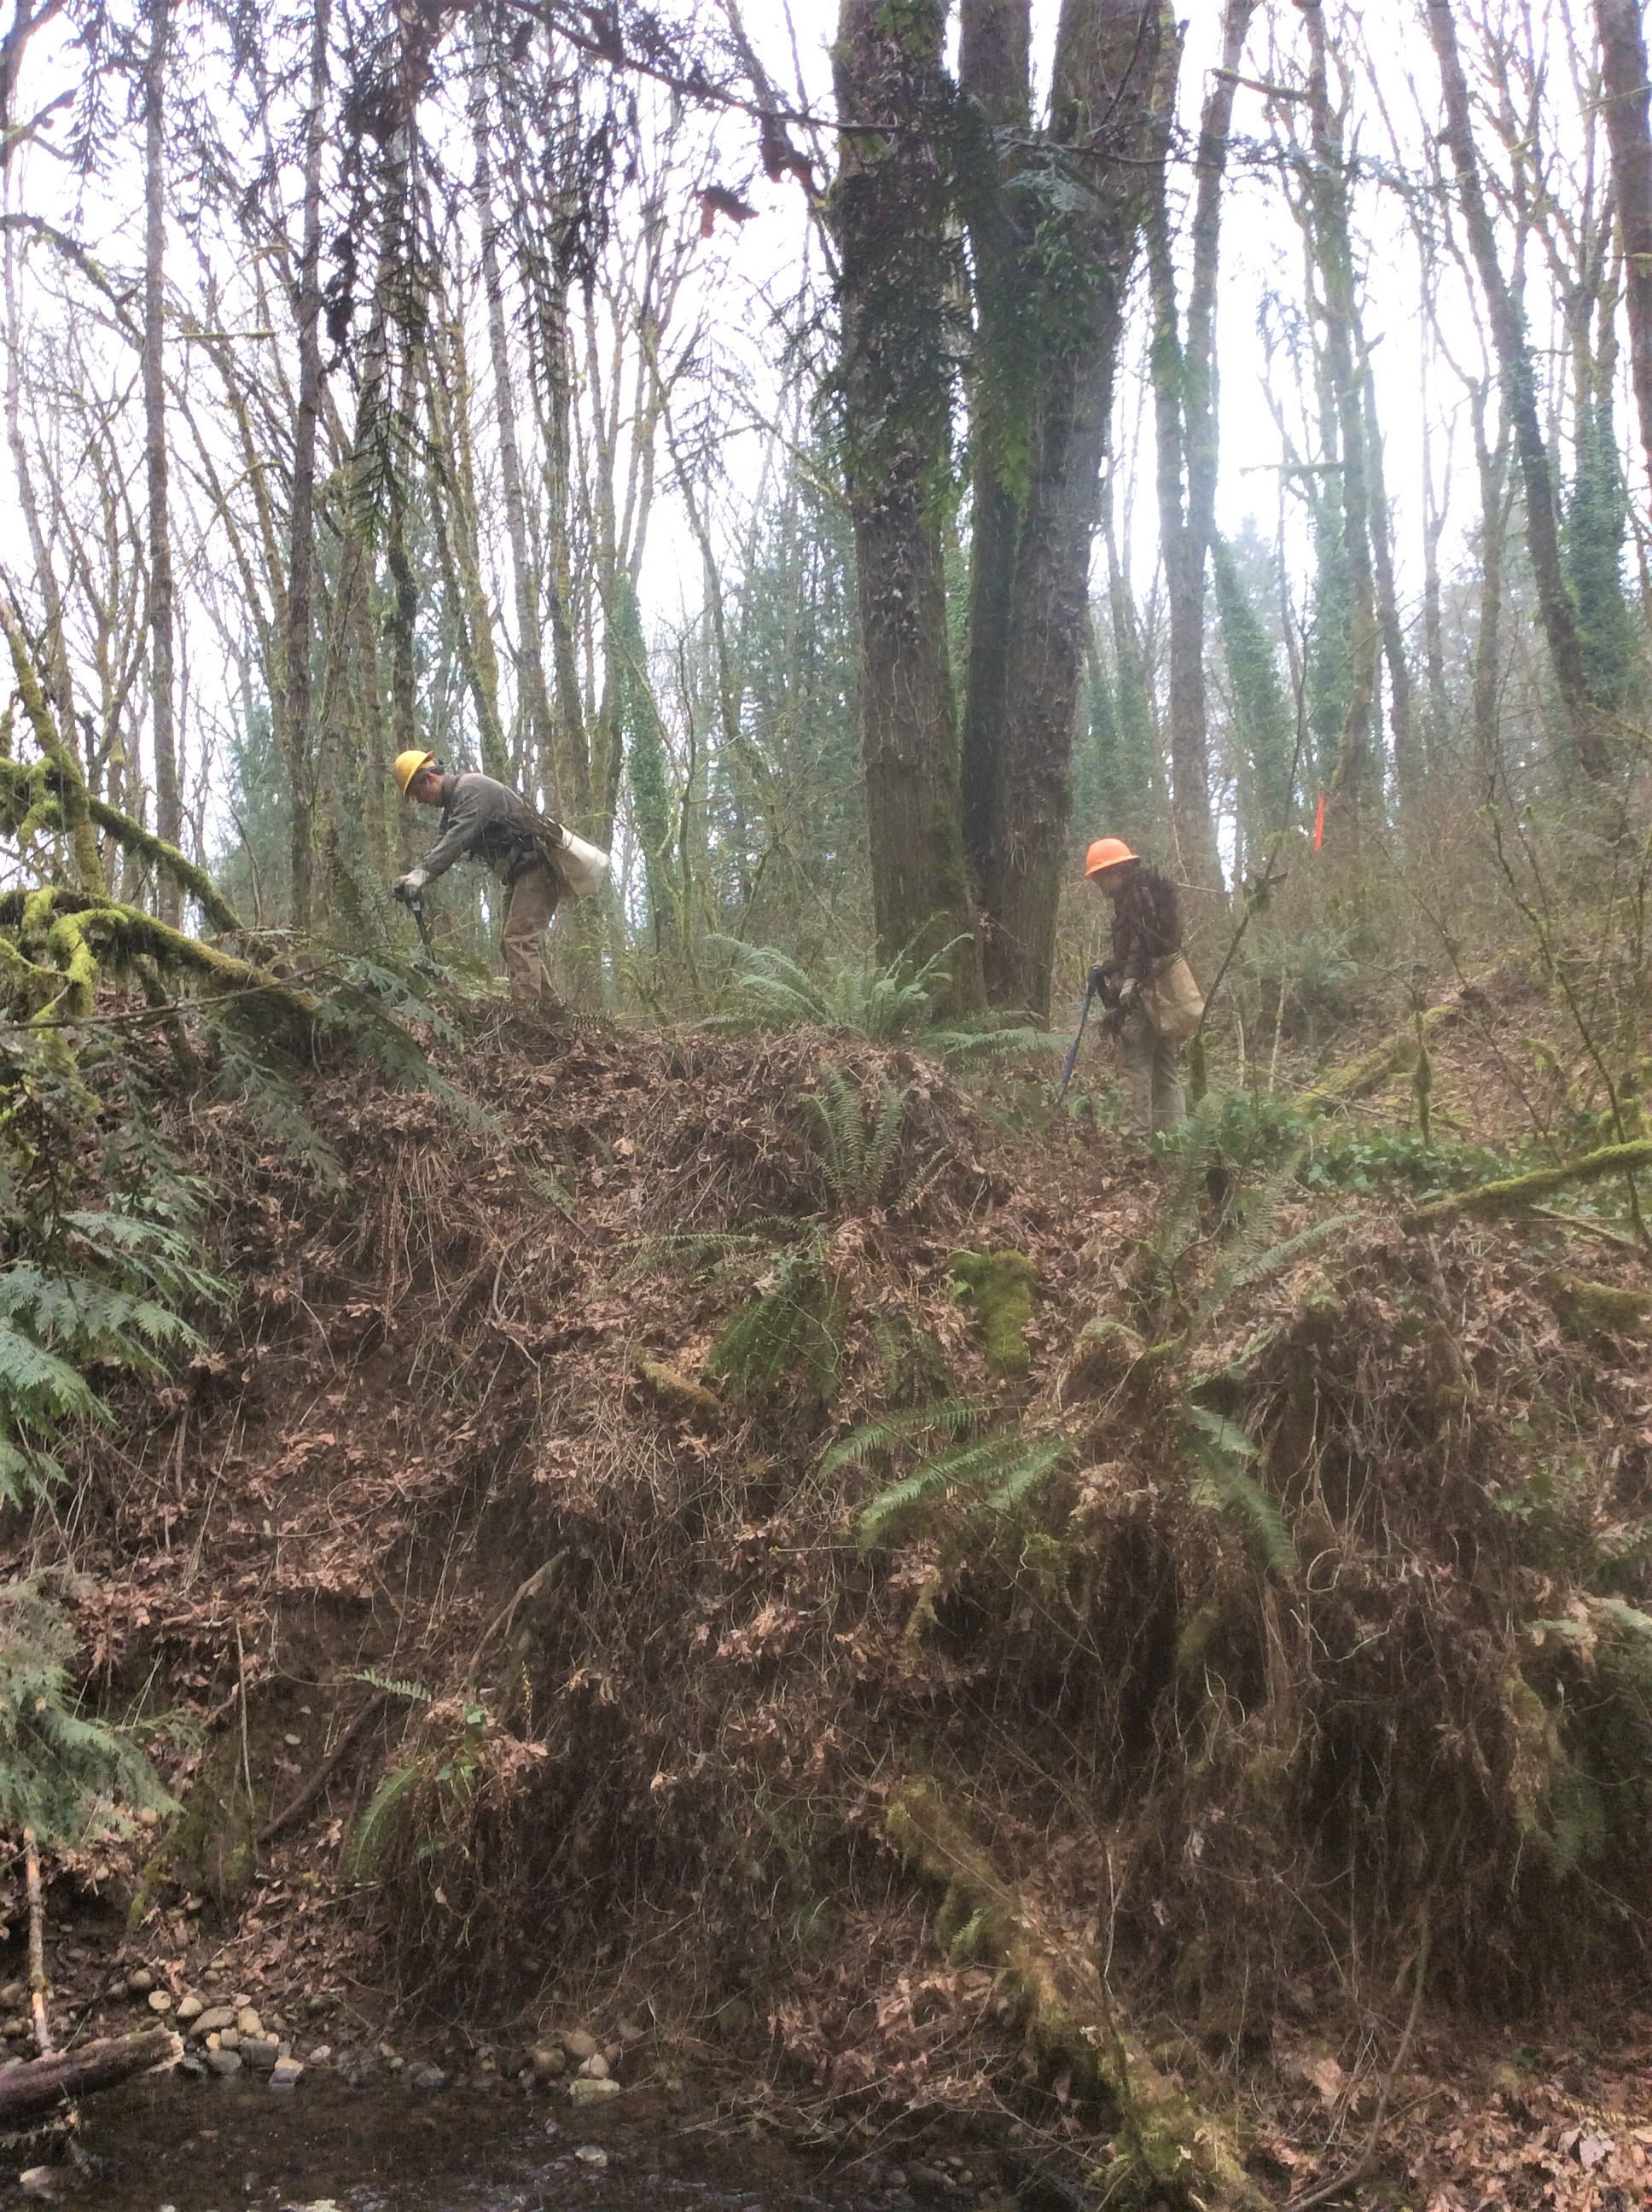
(1152, 1000)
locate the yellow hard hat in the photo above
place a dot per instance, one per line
(408, 766)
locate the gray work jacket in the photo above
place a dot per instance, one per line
(483, 820)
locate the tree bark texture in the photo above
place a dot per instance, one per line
(1185, 421)
(891, 211)
(1519, 380)
(1623, 67)
(1043, 391)
(169, 806)
(296, 708)
(534, 698)
(1354, 785)
(36, 2085)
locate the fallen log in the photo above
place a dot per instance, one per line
(35, 2085)
(1511, 1193)
(1358, 1078)
(1170, 2147)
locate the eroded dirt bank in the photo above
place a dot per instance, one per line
(555, 1657)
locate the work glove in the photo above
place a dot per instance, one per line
(408, 887)
(1128, 991)
(1096, 985)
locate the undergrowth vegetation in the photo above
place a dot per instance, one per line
(1246, 1559)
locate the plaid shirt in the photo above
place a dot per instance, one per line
(1146, 925)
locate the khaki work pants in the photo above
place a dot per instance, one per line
(1151, 1066)
(530, 902)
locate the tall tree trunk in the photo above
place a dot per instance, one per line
(1184, 418)
(1623, 65)
(891, 213)
(1353, 785)
(452, 489)
(168, 809)
(1402, 717)
(1064, 321)
(296, 716)
(530, 663)
(1491, 465)
(994, 71)
(1519, 379)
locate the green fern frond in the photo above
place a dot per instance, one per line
(860, 1148)
(874, 1436)
(771, 991)
(1026, 1473)
(1006, 1467)
(377, 1823)
(394, 1686)
(1221, 1452)
(795, 1330)
(58, 1771)
(969, 1047)
(1177, 1224)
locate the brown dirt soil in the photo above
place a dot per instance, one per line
(460, 1435)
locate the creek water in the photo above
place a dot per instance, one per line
(237, 2146)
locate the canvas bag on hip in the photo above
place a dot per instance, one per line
(583, 868)
(1171, 1000)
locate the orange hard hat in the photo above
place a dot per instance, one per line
(1106, 853)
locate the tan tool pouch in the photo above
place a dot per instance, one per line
(1171, 1000)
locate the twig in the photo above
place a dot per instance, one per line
(501, 1622)
(323, 1773)
(1362, 2165)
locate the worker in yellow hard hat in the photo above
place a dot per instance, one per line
(538, 861)
(1145, 983)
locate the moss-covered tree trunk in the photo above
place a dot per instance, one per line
(1518, 371)
(1356, 785)
(1185, 423)
(293, 715)
(1624, 69)
(1050, 315)
(891, 208)
(168, 800)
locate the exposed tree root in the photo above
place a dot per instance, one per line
(1511, 1193)
(1167, 2141)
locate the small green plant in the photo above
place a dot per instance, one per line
(860, 1148)
(999, 1471)
(1222, 1456)
(771, 991)
(58, 1771)
(794, 1329)
(97, 1287)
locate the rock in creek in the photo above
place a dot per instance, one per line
(580, 2043)
(548, 2062)
(224, 2062)
(285, 2073)
(190, 2007)
(213, 2020)
(595, 2069)
(247, 2021)
(588, 2091)
(426, 2078)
